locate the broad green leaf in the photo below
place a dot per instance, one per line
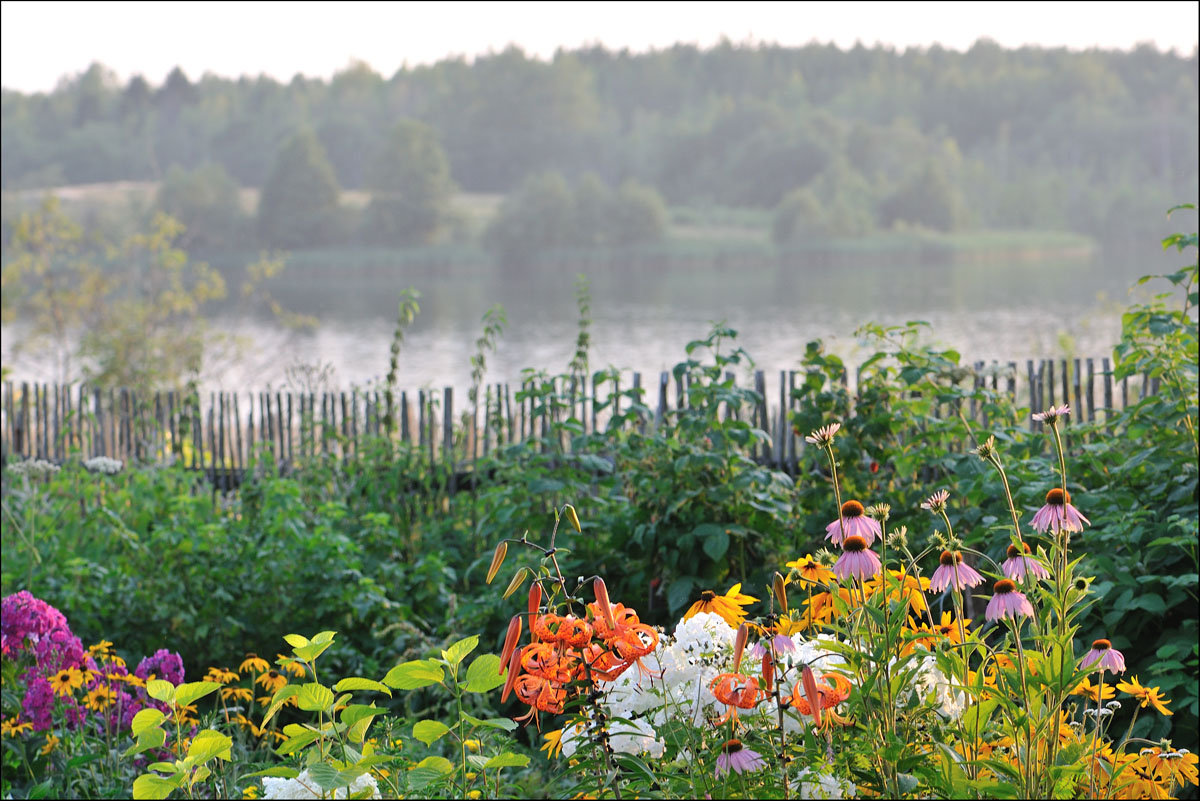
(411, 675)
(355, 712)
(294, 744)
(145, 719)
(200, 775)
(314, 697)
(420, 778)
(440, 764)
(296, 640)
(507, 760)
(327, 776)
(357, 683)
(194, 691)
(278, 770)
(311, 651)
(427, 731)
(484, 674)
(153, 737)
(149, 786)
(208, 744)
(495, 723)
(281, 695)
(161, 690)
(457, 652)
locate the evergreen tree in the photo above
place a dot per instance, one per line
(411, 187)
(299, 204)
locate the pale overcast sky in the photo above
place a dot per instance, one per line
(43, 41)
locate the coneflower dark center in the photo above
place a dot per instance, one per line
(1058, 497)
(852, 509)
(732, 746)
(945, 630)
(1014, 551)
(707, 596)
(1102, 645)
(854, 544)
(1004, 586)
(950, 558)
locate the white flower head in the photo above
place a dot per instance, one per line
(823, 436)
(103, 464)
(305, 787)
(1052, 414)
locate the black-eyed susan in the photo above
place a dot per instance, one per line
(1148, 696)
(902, 586)
(292, 665)
(253, 663)
(66, 682)
(100, 698)
(1090, 691)
(271, 680)
(222, 675)
(728, 607)
(15, 726)
(949, 629)
(100, 648)
(237, 694)
(810, 571)
(51, 744)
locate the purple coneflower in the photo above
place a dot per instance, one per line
(1018, 564)
(856, 523)
(738, 758)
(783, 645)
(952, 572)
(823, 436)
(1007, 602)
(856, 560)
(1058, 514)
(1052, 414)
(1105, 657)
(936, 503)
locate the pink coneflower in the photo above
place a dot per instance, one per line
(823, 436)
(1104, 657)
(856, 523)
(1058, 514)
(936, 503)
(1018, 564)
(856, 560)
(1007, 602)
(738, 758)
(1052, 414)
(952, 572)
(783, 645)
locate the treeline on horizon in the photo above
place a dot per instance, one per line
(836, 143)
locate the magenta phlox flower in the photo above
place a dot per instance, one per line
(738, 758)
(38, 703)
(852, 522)
(1058, 514)
(1104, 657)
(953, 572)
(24, 617)
(1007, 602)
(60, 650)
(164, 664)
(857, 560)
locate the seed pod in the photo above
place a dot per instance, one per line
(574, 518)
(510, 641)
(603, 602)
(517, 580)
(739, 645)
(497, 560)
(780, 587)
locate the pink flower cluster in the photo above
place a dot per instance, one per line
(23, 617)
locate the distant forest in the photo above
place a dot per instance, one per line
(837, 142)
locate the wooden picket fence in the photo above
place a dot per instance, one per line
(218, 432)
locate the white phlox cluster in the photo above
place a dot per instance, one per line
(304, 786)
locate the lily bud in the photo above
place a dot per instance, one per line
(602, 601)
(768, 671)
(780, 587)
(514, 667)
(573, 518)
(810, 690)
(497, 560)
(517, 580)
(739, 645)
(510, 641)
(535, 599)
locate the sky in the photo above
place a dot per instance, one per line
(45, 41)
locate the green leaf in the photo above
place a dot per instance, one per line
(294, 744)
(194, 691)
(494, 723)
(507, 760)
(279, 771)
(151, 738)
(411, 675)
(440, 764)
(427, 731)
(679, 593)
(145, 719)
(281, 695)
(296, 640)
(357, 683)
(150, 786)
(161, 690)
(457, 652)
(208, 744)
(484, 674)
(716, 544)
(327, 776)
(355, 712)
(314, 697)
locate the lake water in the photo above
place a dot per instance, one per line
(642, 317)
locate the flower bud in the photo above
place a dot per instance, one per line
(603, 602)
(768, 671)
(573, 518)
(514, 667)
(510, 640)
(811, 692)
(497, 560)
(517, 580)
(780, 587)
(535, 599)
(739, 645)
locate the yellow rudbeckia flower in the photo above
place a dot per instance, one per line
(728, 606)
